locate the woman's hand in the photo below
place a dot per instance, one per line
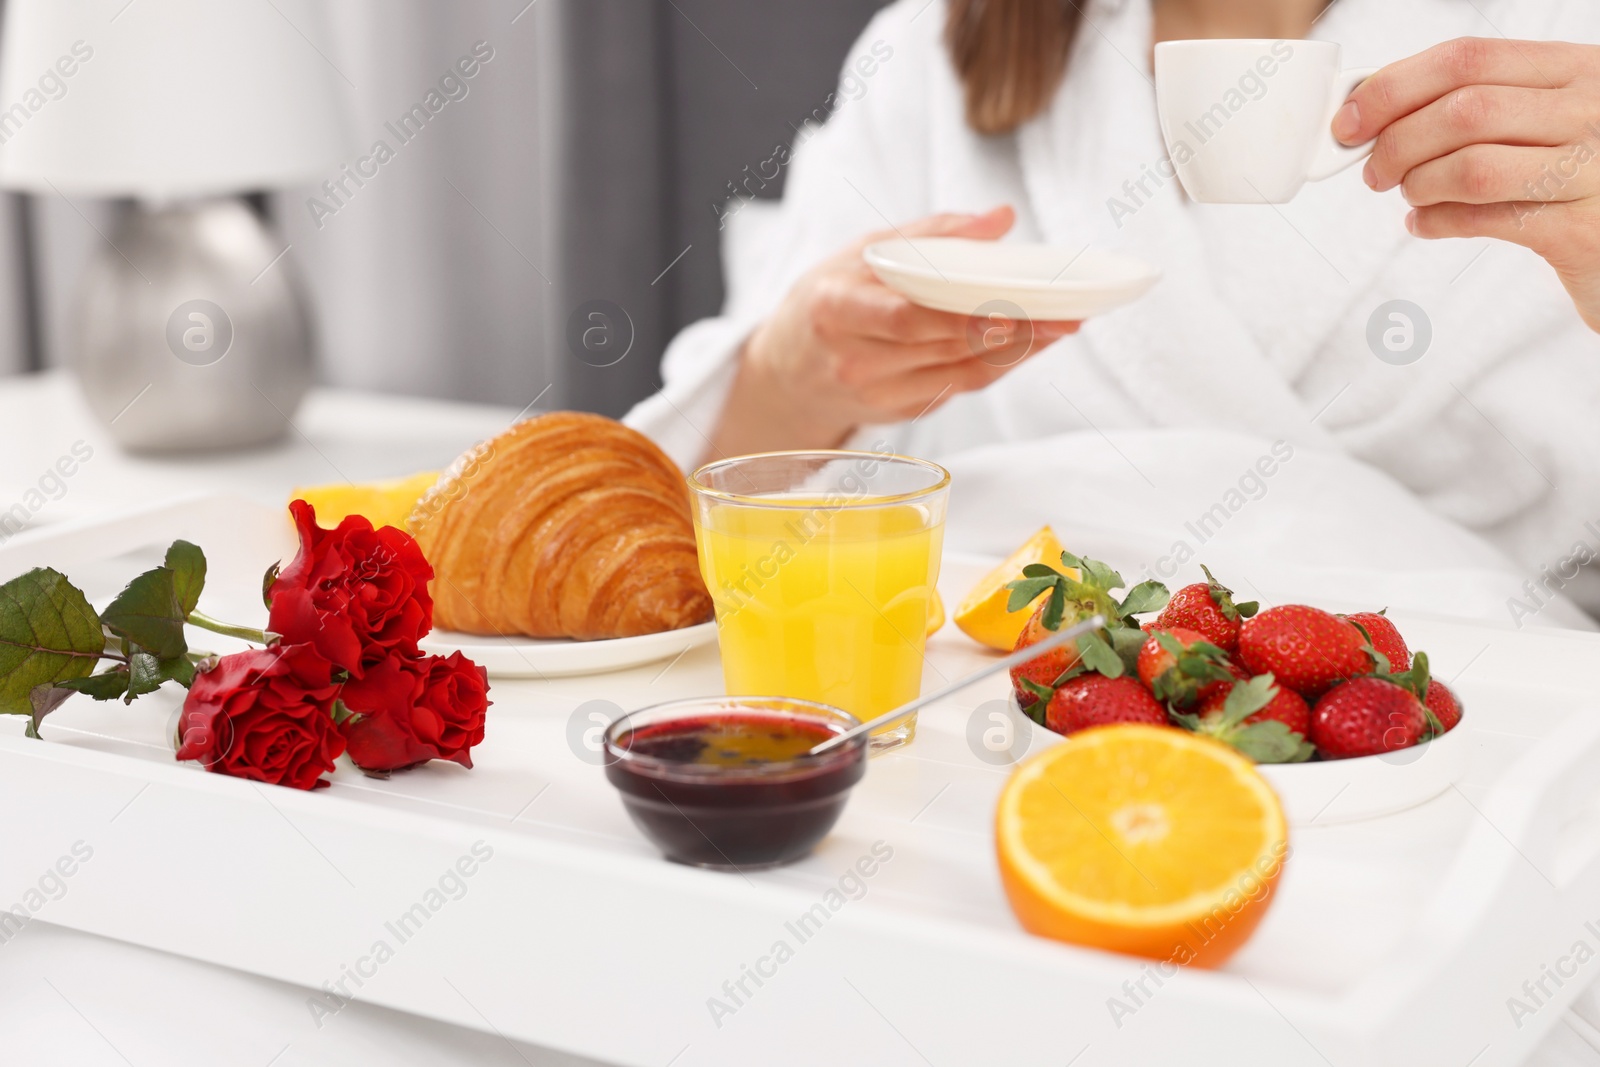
(844, 350)
(1493, 138)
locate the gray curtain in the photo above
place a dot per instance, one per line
(580, 170)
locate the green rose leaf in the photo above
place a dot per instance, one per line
(188, 566)
(144, 675)
(148, 614)
(48, 635)
(107, 685)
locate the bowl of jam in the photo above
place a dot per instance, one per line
(724, 782)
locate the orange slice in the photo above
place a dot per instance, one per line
(935, 613)
(383, 503)
(1141, 839)
(982, 613)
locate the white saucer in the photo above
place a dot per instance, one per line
(1046, 282)
(531, 657)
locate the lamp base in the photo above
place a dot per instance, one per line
(186, 340)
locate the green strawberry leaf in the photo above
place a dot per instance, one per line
(1127, 641)
(1187, 720)
(188, 566)
(1416, 679)
(1036, 710)
(1247, 698)
(48, 635)
(1042, 570)
(1099, 656)
(1067, 675)
(147, 613)
(1144, 597)
(1025, 591)
(1270, 741)
(1169, 643)
(1380, 662)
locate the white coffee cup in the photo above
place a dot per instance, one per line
(1247, 122)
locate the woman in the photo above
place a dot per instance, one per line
(1034, 120)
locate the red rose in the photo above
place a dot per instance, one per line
(410, 710)
(266, 715)
(355, 593)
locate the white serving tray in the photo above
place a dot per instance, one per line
(1392, 941)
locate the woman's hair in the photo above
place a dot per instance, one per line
(1010, 55)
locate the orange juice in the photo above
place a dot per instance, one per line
(822, 603)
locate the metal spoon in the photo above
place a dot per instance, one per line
(1016, 659)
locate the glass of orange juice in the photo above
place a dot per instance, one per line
(822, 566)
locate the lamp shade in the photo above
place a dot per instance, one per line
(167, 98)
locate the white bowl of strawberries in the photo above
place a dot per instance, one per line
(1338, 713)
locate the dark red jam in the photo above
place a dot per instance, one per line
(734, 789)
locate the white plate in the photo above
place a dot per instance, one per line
(530, 657)
(1046, 282)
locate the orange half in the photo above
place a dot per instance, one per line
(1141, 839)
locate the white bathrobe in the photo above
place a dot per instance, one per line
(1256, 334)
(1447, 485)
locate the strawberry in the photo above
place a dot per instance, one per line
(1180, 666)
(1258, 717)
(1305, 648)
(1385, 638)
(1109, 651)
(1366, 716)
(1044, 670)
(1284, 705)
(1209, 608)
(1095, 700)
(1444, 705)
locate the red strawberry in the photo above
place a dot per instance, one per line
(1444, 705)
(1385, 638)
(1366, 716)
(1095, 700)
(1286, 706)
(1044, 670)
(1181, 677)
(1258, 717)
(1305, 648)
(1209, 608)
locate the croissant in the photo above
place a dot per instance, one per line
(565, 525)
